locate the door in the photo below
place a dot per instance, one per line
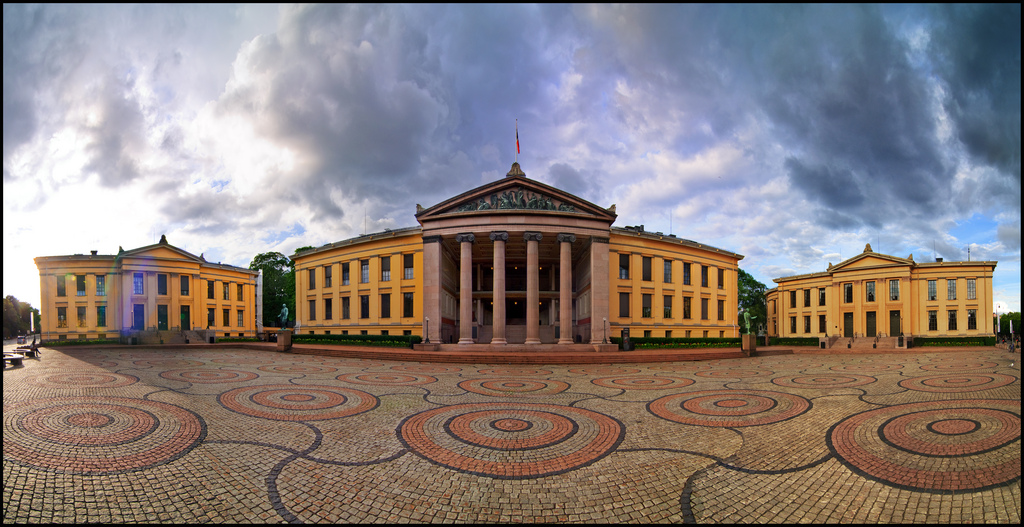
(848, 324)
(872, 326)
(161, 317)
(138, 316)
(186, 318)
(894, 323)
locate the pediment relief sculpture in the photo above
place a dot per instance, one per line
(515, 199)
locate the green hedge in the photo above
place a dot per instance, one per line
(395, 341)
(793, 341)
(679, 343)
(236, 339)
(76, 342)
(954, 341)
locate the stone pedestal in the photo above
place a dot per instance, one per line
(749, 345)
(284, 340)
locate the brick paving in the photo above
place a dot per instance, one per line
(229, 434)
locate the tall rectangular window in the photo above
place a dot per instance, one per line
(668, 271)
(624, 305)
(62, 286)
(847, 293)
(364, 271)
(408, 305)
(623, 266)
(686, 273)
(687, 312)
(721, 310)
(933, 321)
(703, 276)
(407, 264)
(952, 320)
(328, 272)
(822, 328)
(241, 318)
(869, 292)
(209, 289)
(227, 289)
(646, 269)
(80, 284)
(312, 309)
(344, 274)
(792, 325)
(184, 285)
(161, 284)
(721, 278)
(101, 316)
(62, 317)
(704, 309)
(821, 296)
(227, 318)
(312, 277)
(364, 306)
(385, 305)
(101, 285)
(345, 312)
(239, 290)
(951, 289)
(972, 293)
(210, 314)
(668, 306)
(645, 301)
(328, 308)
(807, 298)
(81, 316)
(972, 319)
(807, 323)
(792, 298)
(894, 289)
(137, 285)
(385, 268)
(932, 290)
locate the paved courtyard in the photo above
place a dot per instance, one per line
(232, 435)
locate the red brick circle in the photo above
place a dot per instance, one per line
(514, 387)
(957, 365)
(869, 367)
(683, 368)
(511, 440)
(386, 379)
(957, 383)
(732, 373)
(605, 370)
(823, 381)
(649, 382)
(935, 446)
(167, 363)
(426, 368)
(241, 361)
(84, 379)
(208, 376)
(78, 435)
(297, 369)
(729, 408)
(509, 372)
(289, 402)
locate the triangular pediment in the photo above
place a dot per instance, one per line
(871, 261)
(161, 251)
(516, 195)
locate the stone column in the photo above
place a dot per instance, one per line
(499, 239)
(565, 288)
(466, 288)
(533, 286)
(432, 289)
(600, 294)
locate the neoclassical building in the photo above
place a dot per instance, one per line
(517, 262)
(877, 294)
(153, 293)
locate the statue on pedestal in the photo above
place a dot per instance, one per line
(748, 320)
(282, 319)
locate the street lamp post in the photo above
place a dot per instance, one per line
(426, 331)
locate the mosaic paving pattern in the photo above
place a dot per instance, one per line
(240, 436)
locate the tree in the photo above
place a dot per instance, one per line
(16, 317)
(1004, 323)
(278, 285)
(751, 297)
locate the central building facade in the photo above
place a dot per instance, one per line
(517, 262)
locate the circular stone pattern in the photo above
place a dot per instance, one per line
(823, 381)
(957, 365)
(297, 369)
(732, 374)
(289, 402)
(208, 376)
(98, 435)
(963, 382)
(241, 361)
(83, 380)
(507, 372)
(647, 382)
(425, 368)
(682, 368)
(511, 440)
(167, 363)
(729, 408)
(514, 387)
(387, 379)
(605, 370)
(868, 367)
(936, 446)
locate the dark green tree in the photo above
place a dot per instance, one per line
(751, 297)
(1004, 323)
(278, 285)
(16, 317)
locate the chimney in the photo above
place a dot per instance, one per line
(938, 260)
(93, 252)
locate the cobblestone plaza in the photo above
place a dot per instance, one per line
(233, 435)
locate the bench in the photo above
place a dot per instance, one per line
(14, 358)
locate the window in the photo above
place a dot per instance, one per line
(408, 306)
(209, 289)
(807, 298)
(821, 296)
(385, 305)
(822, 328)
(646, 269)
(327, 275)
(80, 283)
(721, 278)
(62, 317)
(869, 293)
(81, 316)
(952, 320)
(101, 285)
(384, 332)
(972, 293)
(932, 290)
(894, 289)
(364, 271)
(647, 333)
(951, 289)
(364, 306)
(184, 285)
(227, 296)
(668, 271)
(792, 298)
(792, 325)
(807, 323)
(686, 307)
(645, 306)
(668, 333)
(972, 319)
(312, 309)
(623, 266)
(239, 292)
(686, 274)
(385, 268)
(703, 276)
(668, 306)
(101, 316)
(312, 277)
(62, 286)
(624, 305)
(933, 321)
(209, 317)
(161, 284)
(704, 309)
(137, 288)
(847, 293)
(241, 318)
(344, 274)
(721, 310)
(345, 313)
(227, 317)
(407, 264)
(328, 308)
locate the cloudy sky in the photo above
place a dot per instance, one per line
(793, 135)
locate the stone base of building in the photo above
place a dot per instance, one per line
(517, 348)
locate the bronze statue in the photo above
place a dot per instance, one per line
(748, 320)
(283, 317)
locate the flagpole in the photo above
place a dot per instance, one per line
(517, 140)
